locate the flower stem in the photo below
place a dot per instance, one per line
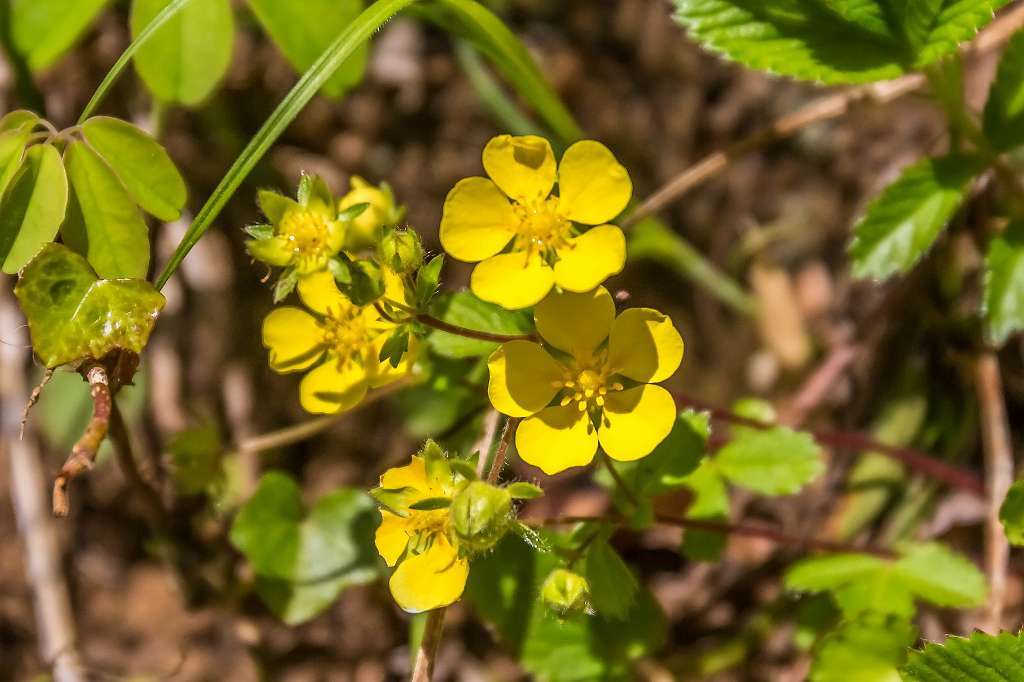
(423, 671)
(431, 321)
(499, 457)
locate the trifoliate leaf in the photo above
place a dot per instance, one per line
(306, 557)
(903, 223)
(981, 656)
(186, 58)
(112, 234)
(612, 584)
(777, 461)
(1012, 514)
(32, 207)
(868, 649)
(73, 315)
(464, 309)
(1004, 110)
(141, 163)
(43, 30)
(1003, 304)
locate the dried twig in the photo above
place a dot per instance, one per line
(33, 399)
(83, 454)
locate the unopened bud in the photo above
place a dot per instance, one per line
(481, 515)
(566, 593)
(381, 212)
(401, 250)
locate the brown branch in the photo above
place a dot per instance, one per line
(995, 432)
(426, 655)
(857, 441)
(83, 454)
(499, 457)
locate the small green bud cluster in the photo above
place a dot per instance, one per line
(481, 515)
(566, 593)
(401, 250)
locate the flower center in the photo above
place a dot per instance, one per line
(423, 527)
(308, 233)
(587, 387)
(541, 228)
(346, 335)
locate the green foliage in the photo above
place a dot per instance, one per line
(303, 30)
(1003, 304)
(303, 558)
(197, 460)
(671, 462)
(868, 649)
(187, 57)
(32, 207)
(710, 502)
(73, 315)
(464, 309)
(504, 588)
(613, 587)
(103, 223)
(776, 461)
(903, 223)
(1004, 110)
(141, 164)
(1011, 513)
(43, 30)
(839, 41)
(12, 152)
(999, 658)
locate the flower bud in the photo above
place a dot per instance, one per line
(566, 593)
(364, 228)
(401, 250)
(481, 514)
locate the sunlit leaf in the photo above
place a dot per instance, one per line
(43, 30)
(1011, 513)
(12, 152)
(32, 207)
(1004, 110)
(612, 584)
(1003, 304)
(777, 461)
(464, 309)
(968, 659)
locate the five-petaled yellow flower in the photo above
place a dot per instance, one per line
(430, 572)
(516, 208)
(593, 383)
(306, 233)
(341, 339)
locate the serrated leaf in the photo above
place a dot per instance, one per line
(115, 239)
(999, 658)
(1011, 513)
(43, 30)
(303, 30)
(936, 574)
(869, 649)
(464, 309)
(612, 585)
(777, 461)
(32, 207)
(902, 224)
(187, 57)
(1004, 111)
(73, 315)
(1003, 303)
(141, 163)
(306, 557)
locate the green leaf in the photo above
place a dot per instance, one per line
(141, 164)
(32, 207)
(999, 658)
(464, 309)
(12, 152)
(777, 461)
(710, 502)
(361, 281)
(427, 279)
(20, 119)
(831, 572)
(303, 30)
(869, 649)
(839, 41)
(904, 222)
(357, 33)
(305, 558)
(43, 30)
(187, 57)
(1011, 513)
(115, 238)
(1004, 110)
(72, 315)
(936, 574)
(1003, 303)
(612, 585)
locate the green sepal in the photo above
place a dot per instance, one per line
(431, 503)
(395, 347)
(352, 212)
(520, 490)
(313, 190)
(285, 284)
(361, 281)
(275, 205)
(260, 231)
(427, 280)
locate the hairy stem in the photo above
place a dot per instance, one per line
(83, 454)
(423, 670)
(499, 457)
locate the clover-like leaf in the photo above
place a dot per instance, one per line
(73, 315)
(32, 207)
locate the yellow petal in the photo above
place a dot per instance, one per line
(430, 580)
(635, 421)
(393, 287)
(522, 167)
(512, 280)
(644, 345)
(384, 373)
(293, 337)
(575, 323)
(557, 438)
(593, 187)
(412, 475)
(391, 537)
(326, 390)
(524, 378)
(477, 221)
(272, 251)
(591, 258)
(320, 293)
(365, 227)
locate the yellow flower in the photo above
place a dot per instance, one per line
(381, 211)
(600, 375)
(430, 573)
(340, 341)
(306, 233)
(480, 221)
